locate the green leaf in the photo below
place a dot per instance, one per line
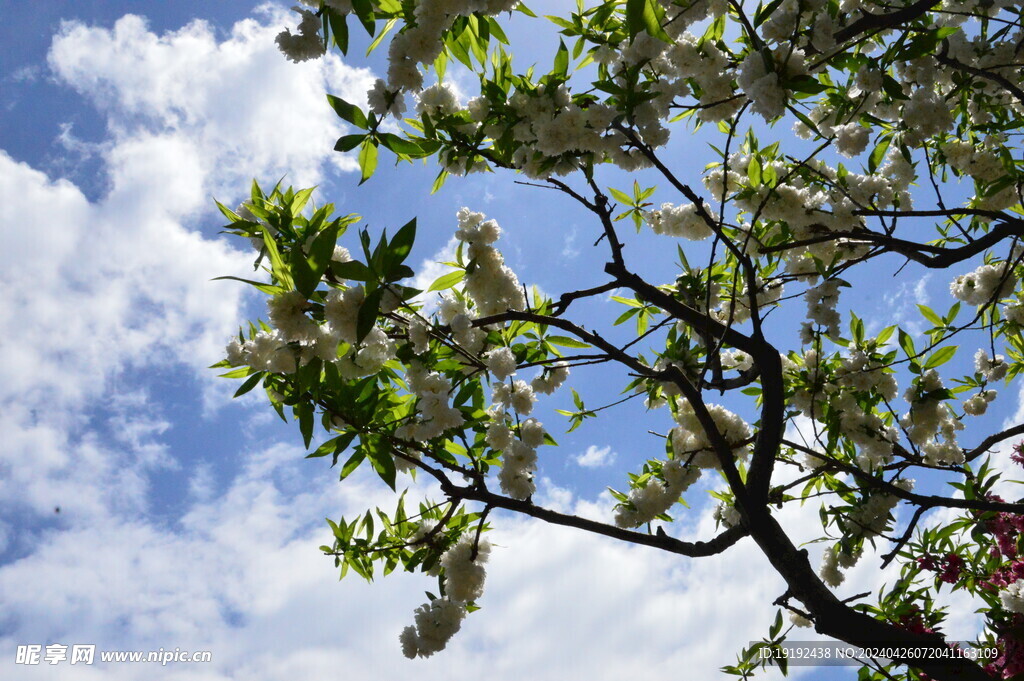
(279, 268)
(907, 343)
(566, 342)
(302, 273)
(561, 61)
(807, 85)
(439, 181)
(754, 172)
(339, 30)
(930, 315)
(645, 15)
(368, 313)
(364, 12)
(621, 196)
(266, 288)
(941, 356)
(353, 463)
(249, 384)
(367, 158)
(349, 112)
(304, 411)
(413, 148)
(401, 244)
(353, 269)
(380, 36)
(878, 153)
(348, 142)
(324, 449)
(300, 200)
(378, 451)
(322, 249)
(446, 281)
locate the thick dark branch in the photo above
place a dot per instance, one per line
(566, 299)
(922, 500)
(907, 534)
(870, 22)
(941, 257)
(659, 541)
(765, 356)
(936, 213)
(993, 440)
(982, 73)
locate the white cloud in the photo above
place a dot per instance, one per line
(238, 103)
(569, 248)
(429, 271)
(596, 457)
(122, 283)
(240, 575)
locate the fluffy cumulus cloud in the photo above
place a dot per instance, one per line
(232, 106)
(122, 283)
(596, 457)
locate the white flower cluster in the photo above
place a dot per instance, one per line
(857, 371)
(737, 359)
(925, 114)
(517, 395)
(492, 286)
(726, 514)
(464, 575)
(434, 414)
(436, 623)
(340, 6)
(930, 417)
(266, 351)
(437, 100)
(759, 77)
(978, 404)
(832, 564)
(1012, 597)
(341, 310)
(821, 309)
(501, 363)
(984, 285)
(383, 101)
(708, 67)
(305, 45)
(991, 369)
(287, 313)
(421, 43)
(519, 456)
(872, 516)
(736, 309)
(981, 164)
(655, 497)
(682, 221)
(852, 139)
(419, 335)
(440, 619)
(454, 312)
(551, 379)
(873, 438)
(692, 444)
(1014, 313)
(795, 618)
(297, 338)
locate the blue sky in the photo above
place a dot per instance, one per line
(191, 521)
